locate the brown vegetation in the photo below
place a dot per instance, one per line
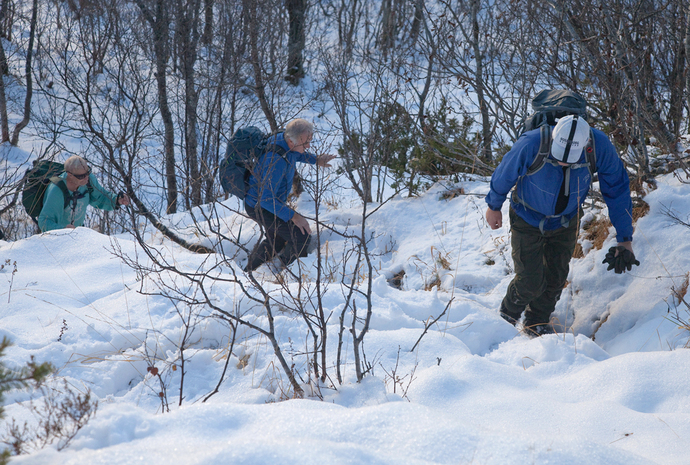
(596, 231)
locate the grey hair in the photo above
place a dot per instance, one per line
(74, 162)
(296, 128)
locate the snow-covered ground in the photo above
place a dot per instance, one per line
(474, 391)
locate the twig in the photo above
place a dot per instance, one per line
(429, 325)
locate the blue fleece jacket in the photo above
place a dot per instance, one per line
(540, 190)
(272, 179)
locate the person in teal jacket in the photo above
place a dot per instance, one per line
(84, 190)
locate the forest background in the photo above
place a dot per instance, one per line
(411, 95)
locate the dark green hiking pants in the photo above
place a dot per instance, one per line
(542, 263)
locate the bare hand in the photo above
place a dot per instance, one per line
(324, 160)
(123, 200)
(627, 245)
(494, 218)
(301, 223)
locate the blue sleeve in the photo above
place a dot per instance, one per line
(515, 163)
(271, 173)
(615, 187)
(307, 158)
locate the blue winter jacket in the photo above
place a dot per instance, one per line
(540, 190)
(272, 179)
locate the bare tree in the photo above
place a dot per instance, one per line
(28, 71)
(156, 14)
(297, 12)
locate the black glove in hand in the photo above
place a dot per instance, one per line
(625, 259)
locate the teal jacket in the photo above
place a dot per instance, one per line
(55, 215)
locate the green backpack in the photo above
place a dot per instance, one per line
(36, 181)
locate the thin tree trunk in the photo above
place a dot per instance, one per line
(160, 27)
(260, 87)
(4, 69)
(687, 57)
(29, 81)
(479, 84)
(188, 32)
(297, 12)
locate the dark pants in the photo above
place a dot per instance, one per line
(283, 238)
(542, 263)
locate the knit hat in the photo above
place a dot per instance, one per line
(569, 138)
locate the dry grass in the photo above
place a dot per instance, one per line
(640, 209)
(578, 252)
(452, 193)
(596, 232)
(434, 283)
(680, 292)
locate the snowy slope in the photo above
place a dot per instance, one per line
(473, 391)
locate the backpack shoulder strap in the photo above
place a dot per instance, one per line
(279, 150)
(58, 181)
(275, 148)
(591, 153)
(544, 149)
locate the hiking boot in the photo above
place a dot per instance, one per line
(508, 316)
(537, 329)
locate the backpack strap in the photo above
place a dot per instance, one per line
(544, 150)
(275, 148)
(591, 154)
(58, 181)
(66, 194)
(542, 158)
(564, 222)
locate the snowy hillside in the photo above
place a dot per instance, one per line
(474, 390)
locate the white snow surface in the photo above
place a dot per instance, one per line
(474, 391)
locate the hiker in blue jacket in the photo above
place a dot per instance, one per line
(287, 233)
(84, 190)
(545, 212)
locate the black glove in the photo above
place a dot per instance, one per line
(624, 260)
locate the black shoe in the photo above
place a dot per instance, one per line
(508, 318)
(507, 315)
(537, 329)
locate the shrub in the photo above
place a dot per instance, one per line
(16, 379)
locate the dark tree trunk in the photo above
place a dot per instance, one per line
(479, 84)
(251, 27)
(188, 35)
(297, 12)
(29, 81)
(161, 30)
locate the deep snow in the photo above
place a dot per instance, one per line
(474, 391)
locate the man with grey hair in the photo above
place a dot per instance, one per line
(66, 208)
(287, 233)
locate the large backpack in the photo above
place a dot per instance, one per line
(245, 148)
(36, 182)
(550, 105)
